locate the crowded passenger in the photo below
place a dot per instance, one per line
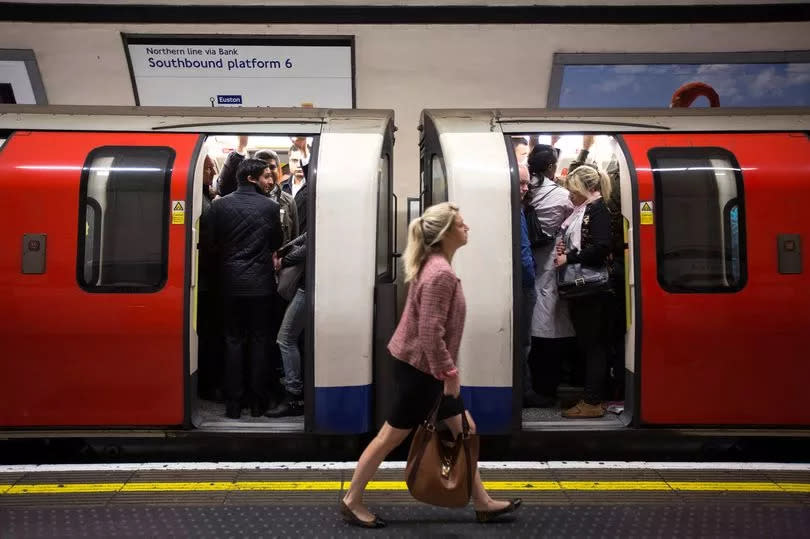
(209, 175)
(209, 316)
(616, 302)
(304, 152)
(227, 177)
(529, 295)
(296, 186)
(587, 241)
(241, 231)
(289, 210)
(289, 226)
(521, 147)
(293, 258)
(285, 173)
(528, 265)
(548, 206)
(618, 309)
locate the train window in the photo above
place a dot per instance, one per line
(700, 221)
(438, 180)
(384, 217)
(123, 221)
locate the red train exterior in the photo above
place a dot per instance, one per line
(72, 357)
(75, 358)
(744, 359)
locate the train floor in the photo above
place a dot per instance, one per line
(560, 499)
(210, 415)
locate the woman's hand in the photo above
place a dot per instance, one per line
(452, 386)
(560, 248)
(276, 262)
(561, 260)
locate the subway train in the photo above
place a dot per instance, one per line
(99, 278)
(98, 282)
(717, 291)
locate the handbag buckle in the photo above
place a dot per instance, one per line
(446, 470)
(579, 281)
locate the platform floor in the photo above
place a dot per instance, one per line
(300, 500)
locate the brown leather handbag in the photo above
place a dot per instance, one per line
(440, 469)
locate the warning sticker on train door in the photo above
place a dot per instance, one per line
(178, 212)
(647, 212)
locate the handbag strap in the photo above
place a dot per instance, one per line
(431, 420)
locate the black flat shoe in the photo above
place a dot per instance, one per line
(488, 516)
(349, 516)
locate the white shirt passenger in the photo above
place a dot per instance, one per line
(297, 186)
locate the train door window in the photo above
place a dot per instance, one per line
(700, 221)
(438, 180)
(384, 245)
(123, 222)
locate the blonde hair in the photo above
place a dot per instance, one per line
(585, 179)
(425, 235)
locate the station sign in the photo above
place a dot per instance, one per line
(230, 71)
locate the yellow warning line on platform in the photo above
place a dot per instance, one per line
(297, 486)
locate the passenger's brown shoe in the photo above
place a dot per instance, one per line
(349, 516)
(582, 410)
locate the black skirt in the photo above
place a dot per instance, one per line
(416, 394)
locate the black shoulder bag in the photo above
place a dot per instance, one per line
(537, 236)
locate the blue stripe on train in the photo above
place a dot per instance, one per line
(347, 409)
(491, 408)
(343, 409)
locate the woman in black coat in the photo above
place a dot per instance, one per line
(587, 241)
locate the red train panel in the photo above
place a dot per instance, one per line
(73, 357)
(729, 357)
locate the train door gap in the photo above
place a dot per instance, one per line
(556, 365)
(215, 178)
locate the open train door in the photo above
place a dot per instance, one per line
(351, 269)
(725, 289)
(385, 281)
(93, 278)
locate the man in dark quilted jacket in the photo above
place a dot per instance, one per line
(244, 229)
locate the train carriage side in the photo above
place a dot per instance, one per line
(717, 286)
(93, 278)
(99, 279)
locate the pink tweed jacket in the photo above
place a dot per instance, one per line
(429, 333)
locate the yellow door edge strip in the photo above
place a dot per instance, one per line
(298, 486)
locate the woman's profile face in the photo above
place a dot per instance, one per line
(458, 231)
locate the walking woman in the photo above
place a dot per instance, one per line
(587, 241)
(425, 348)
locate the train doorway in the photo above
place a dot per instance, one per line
(551, 365)
(273, 398)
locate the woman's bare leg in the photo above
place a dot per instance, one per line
(386, 441)
(482, 501)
